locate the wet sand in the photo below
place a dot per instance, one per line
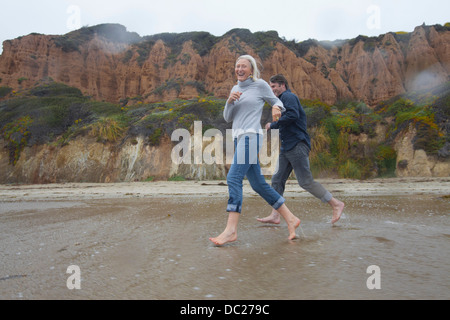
(150, 241)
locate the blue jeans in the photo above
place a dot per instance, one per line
(246, 163)
(297, 159)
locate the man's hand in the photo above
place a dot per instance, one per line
(276, 113)
(268, 126)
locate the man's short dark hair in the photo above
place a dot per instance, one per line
(280, 79)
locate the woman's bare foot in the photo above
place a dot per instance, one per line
(224, 237)
(230, 232)
(338, 208)
(274, 218)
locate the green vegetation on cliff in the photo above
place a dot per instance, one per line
(53, 113)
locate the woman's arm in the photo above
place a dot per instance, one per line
(229, 106)
(269, 97)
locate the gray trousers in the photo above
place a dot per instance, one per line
(297, 159)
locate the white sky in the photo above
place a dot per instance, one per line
(293, 19)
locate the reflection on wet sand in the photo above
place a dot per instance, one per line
(158, 248)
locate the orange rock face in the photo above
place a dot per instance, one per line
(366, 69)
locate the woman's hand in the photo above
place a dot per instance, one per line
(234, 96)
(276, 113)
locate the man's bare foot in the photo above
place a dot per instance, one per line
(274, 218)
(292, 221)
(292, 226)
(224, 238)
(338, 208)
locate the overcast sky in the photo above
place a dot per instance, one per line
(293, 19)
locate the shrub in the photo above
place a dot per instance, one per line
(385, 158)
(316, 114)
(350, 169)
(56, 115)
(343, 147)
(401, 105)
(4, 91)
(346, 123)
(107, 129)
(16, 135)
(322, 162)
(362, 108)
(428, 138)
(172, 84)
(320, 141)
(155, 137)
(53, 89)
(21, 79)
(187, 120)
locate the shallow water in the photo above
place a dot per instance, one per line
(156, 248)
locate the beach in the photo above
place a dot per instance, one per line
(149, 240)
(85, 191)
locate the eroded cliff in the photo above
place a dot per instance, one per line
(111, 64)
(50, 138)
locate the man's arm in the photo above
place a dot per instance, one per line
(291, 114)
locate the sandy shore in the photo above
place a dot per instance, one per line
(149, 240)
(339, 187)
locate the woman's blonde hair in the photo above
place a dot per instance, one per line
(256, 74)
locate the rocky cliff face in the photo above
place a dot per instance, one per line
(87, 160)
(108, 63)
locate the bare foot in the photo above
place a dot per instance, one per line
(338, 207)
(292, 221)
(274, 218)
(292, 226)
(224, 238)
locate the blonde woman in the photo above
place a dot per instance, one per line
(244, 108)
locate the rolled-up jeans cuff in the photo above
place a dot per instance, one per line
(327, 197)
(279, 203)
(233, 208)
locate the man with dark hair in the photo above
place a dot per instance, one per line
(294, 151)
